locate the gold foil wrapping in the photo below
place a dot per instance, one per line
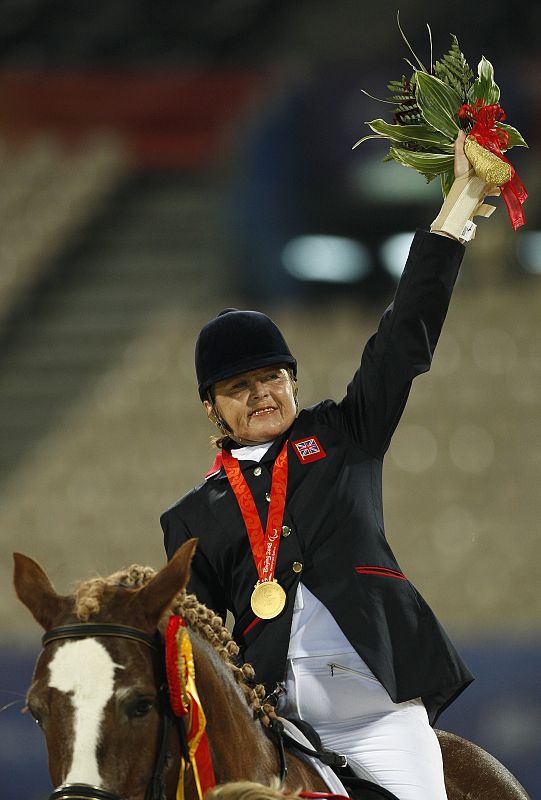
(487, 165)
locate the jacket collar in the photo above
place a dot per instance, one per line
(217, 470)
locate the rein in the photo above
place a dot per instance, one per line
(156, 789)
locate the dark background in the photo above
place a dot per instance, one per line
(162, 160)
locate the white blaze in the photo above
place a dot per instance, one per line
(84, 670)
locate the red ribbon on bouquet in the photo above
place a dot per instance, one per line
(495, 139)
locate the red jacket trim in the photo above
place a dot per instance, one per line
(216, 467)
(384, 571)
(252, 624)
(324, 795)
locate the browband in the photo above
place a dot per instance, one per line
(86, 629)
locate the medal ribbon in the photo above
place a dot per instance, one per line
(264, 546)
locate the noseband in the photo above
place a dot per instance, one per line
(81, 791)
(156, 787)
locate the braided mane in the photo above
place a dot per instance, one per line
(199, 618)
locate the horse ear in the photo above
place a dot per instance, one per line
(157, 596)
(35, 590)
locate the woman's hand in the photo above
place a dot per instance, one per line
(462, 165)
(464, 200)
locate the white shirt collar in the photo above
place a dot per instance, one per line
(252, 452)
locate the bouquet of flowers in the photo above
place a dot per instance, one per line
(431, 106)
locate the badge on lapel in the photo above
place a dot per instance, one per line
(308, 449)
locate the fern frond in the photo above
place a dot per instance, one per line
(406, 111)
(454, 70)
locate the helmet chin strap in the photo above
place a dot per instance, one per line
(218, 420)
(223, 427)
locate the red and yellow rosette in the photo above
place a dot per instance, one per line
(484, 148)
(185, 701)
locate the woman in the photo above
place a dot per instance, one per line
(293, 507)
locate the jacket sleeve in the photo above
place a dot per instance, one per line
(404, 343)
(203, 581)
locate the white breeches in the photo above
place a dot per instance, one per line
(391, 744)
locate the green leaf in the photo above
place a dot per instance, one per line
(365, 139)
(515, 137)
(379, 99)
(447, 179)
(421, 65)
(484, 87)
(439, 104)
(428, 164)
(422, 135)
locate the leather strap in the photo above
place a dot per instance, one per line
(86, 629)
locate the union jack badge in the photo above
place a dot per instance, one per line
(308, 449)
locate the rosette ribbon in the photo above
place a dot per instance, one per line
(495, 139)
(185, 701)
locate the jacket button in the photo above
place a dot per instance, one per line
(297, 566)
(267, 497)
(286, 530)
(257, 472)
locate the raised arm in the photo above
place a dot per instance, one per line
(409, 329)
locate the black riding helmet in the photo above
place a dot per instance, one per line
(238, 341)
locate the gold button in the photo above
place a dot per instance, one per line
(267, 497)
(297, 566)
(285, 530)
(257, 472)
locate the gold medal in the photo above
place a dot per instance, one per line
(268, 599)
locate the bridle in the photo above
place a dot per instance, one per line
(156, 787)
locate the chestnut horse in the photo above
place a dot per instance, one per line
(97, 693)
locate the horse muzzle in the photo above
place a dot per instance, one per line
(82, 791)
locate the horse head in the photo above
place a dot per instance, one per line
(95, 691)
(99, 693)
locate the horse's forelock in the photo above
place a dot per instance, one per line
(89, 601)
(88, 596)
(89, 593)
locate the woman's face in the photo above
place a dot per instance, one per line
(258, 405)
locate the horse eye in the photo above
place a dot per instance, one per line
(37, 716)
(141, 708)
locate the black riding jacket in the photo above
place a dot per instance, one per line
(334, 534)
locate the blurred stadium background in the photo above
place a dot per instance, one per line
(162, 160)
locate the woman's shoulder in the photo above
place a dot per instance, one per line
(325, 413)
(188, 503)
